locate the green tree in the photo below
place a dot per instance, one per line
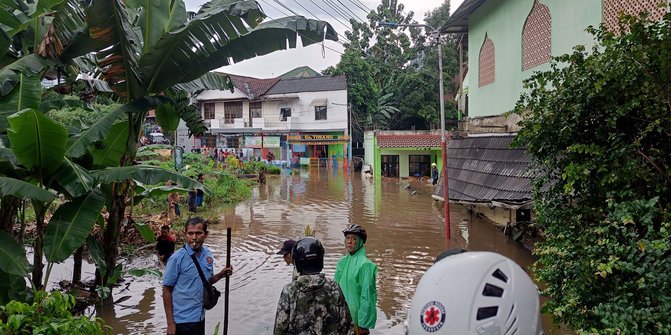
(598, 126)
(397, 68)
(138, 63)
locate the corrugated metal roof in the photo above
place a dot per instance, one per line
(309, 84)
(408, 141)
(458, 21)
(486, 169)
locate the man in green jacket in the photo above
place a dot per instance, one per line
(356, 275)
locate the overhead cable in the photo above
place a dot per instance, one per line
(351, 11)
(275, 8)
(331, 15)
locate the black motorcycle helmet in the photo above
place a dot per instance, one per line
(308, 255)
(356, 230)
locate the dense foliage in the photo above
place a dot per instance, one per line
(598, 126)
(392, 73)
(49, 314)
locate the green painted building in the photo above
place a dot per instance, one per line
(402, 154)
(501, 43)
(506, 41)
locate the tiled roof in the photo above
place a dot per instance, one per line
(253, 87)
(486, 169)
(309, 84)
(408, 141)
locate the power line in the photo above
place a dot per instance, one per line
(277, 9)
(364, 6)
(340, 2)
(363, 9)
(307, 38)
(309, 12)
(331, 15)
(315, 16)
(337, 9)
(287, 8)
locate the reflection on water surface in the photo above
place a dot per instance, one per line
(405, 233)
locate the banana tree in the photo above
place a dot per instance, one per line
(162, 50)
(168, 50)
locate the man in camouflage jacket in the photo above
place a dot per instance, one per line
(312, 304)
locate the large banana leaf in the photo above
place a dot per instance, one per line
(37, 141)
(146, 232)
(28, 65)
(71, 224)
(71, 31)
(12, 256)
(97, 254)
(109, 152)
(209, 81)
(167, 117)
(157, 18)
(189, 52)
(73, 178)
(27, 94)
(118, 45)
(208, 43)
(145, 175)
(12, 288)
(5, 40)
(24, 190)
(142, 192)
(77, 145)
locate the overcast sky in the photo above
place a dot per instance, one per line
(314, 56)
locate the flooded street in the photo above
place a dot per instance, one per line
(405, 233)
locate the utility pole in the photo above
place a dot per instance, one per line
(435, 33)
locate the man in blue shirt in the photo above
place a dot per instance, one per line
(182, 286)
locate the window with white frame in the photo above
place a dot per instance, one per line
(320, 112)
(285, 113)
(208, 111)
(232, 111)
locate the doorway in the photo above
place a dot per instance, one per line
(390, 166)
(419, 165)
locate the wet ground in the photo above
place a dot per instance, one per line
(405, 233)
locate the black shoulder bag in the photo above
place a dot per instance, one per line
(210, 293)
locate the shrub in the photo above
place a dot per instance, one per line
(598, 127)
(49, 314)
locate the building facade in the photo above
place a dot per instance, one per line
(505, 43)
(293, 120)
(402, 153)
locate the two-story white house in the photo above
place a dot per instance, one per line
(293, 118)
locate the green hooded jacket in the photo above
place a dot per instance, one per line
(356, 276)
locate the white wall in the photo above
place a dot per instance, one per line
(303, 113)
(302, 110)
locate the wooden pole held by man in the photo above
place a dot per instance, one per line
(228, 264)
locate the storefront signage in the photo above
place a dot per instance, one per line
(271, 141)
(262, 142)
(315, 137)
(253, 142)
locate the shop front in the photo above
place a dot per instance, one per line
(318, 148)
(264, 147)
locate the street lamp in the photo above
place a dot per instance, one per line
(435, 33)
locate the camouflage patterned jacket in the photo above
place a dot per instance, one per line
(312, 305)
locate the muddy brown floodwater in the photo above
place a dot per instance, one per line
(405, 233)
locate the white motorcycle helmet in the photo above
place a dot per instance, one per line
(478, 293)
